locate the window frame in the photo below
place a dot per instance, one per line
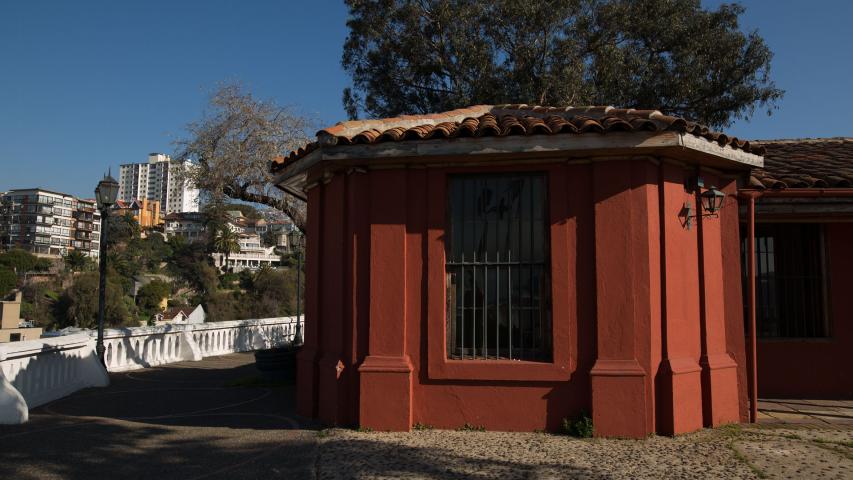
(562, 241)
(493, 268)
(823, 263)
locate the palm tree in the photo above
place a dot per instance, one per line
(76, 261)
(226, 242)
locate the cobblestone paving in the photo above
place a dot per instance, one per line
(730, 452)
(200, 420)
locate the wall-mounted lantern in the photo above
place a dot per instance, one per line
(711, 200)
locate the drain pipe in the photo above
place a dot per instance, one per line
(752, 350)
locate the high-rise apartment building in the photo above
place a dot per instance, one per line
(161, 179)
(49, 223)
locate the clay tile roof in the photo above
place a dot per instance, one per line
(504, 120)
(804, 163)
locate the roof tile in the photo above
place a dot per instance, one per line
(805, 163)
(504, 120)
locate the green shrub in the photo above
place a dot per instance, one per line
(467, 427)
(422, 426)
(579, 426)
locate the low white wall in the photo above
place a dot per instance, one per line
(36, 372)
(141, 347)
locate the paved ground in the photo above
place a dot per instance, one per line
(180, 421)
(208, 420)
(805, 412)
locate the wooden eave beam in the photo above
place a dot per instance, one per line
(516, 148)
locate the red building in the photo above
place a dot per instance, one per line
(511, 266)
(803, 239)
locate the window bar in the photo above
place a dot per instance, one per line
(509, 307)
(462, 316)
(532, 217)
(804, 283)
(822, 280)
(474, 304)
(486, 304)
(521, 302)
(498, 305)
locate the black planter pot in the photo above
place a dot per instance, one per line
(277, 364)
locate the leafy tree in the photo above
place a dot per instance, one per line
(8, 281)
(420, 56)
(190, 264)
(124, 269)
(78, 305)
(153, 251)
(273, 293)
(39, 303)
(233, 144)
(151, 295)
(22, 261)
(270, 238)
(223, 305)
(121, 229)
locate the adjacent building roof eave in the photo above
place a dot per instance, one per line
(683, 146)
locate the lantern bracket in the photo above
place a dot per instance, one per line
(711, 201)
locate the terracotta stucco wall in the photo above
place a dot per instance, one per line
(634, 296)
(817, 368)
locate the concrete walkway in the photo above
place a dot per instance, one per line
(183, 420)
(209, 420)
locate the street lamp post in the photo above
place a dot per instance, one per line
(105, 194)
(296, 243)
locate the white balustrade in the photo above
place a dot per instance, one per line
(36, 372)
(141, 347)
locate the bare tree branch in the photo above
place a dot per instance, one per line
(233, 143)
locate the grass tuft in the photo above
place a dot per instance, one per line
(467, 427)
(580, 426)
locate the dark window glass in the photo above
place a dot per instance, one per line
(497, 254)
(789, 283)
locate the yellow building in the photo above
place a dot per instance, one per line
(12, 327)
(145, 212)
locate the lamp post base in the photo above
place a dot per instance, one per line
(100, 350)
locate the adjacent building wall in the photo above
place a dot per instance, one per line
(48, 223)
(10, 321)
(161, 179)
(822, 367)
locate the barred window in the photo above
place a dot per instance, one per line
(498, 268)
(789, 280)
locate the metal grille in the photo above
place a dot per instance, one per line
(789, 283)
(497, 267)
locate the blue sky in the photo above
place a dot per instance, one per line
(86, 85)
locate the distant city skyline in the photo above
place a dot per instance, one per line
(88, 86)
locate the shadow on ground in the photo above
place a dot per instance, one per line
(176, 421)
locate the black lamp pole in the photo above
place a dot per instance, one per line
(298, 337)
(102, 283)
(105, 196)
